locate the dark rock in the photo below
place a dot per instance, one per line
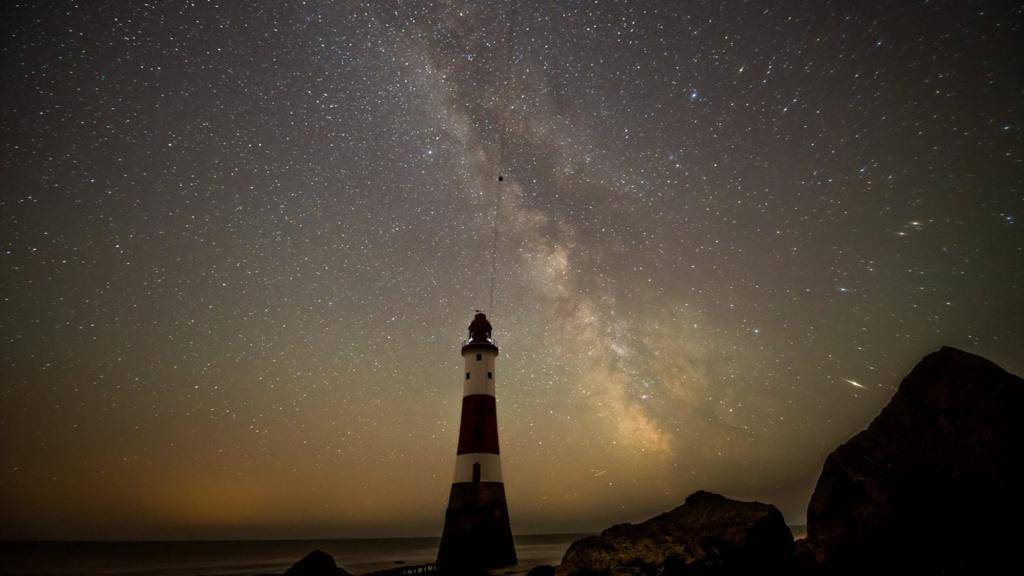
(316, 563)
(933, 482)
(542, 570)
(708, 534)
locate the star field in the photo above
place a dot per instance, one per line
(240, 245)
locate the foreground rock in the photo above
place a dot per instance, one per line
(542, 570)
(708, 534)
(933, 484)
(316, 563)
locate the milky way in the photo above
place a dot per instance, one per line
(241, 243)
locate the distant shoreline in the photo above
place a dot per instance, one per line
(795, 528)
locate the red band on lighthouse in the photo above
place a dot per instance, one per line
(479, 430)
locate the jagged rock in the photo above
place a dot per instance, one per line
(316, 563)
(933, 484)
(708, 534)
(542, 570)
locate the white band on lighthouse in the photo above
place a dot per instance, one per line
(480, 373)
(489, 466)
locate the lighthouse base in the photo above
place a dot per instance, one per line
(477, 534)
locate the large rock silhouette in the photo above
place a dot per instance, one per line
(708, 534)
(933, 485)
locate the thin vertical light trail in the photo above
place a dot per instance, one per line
(509, 55)
(494, 246)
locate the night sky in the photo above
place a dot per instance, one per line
(241, 242)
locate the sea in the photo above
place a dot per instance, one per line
(253, 557)
(245, 558)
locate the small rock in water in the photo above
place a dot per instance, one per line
(316, 563)
(542, 570)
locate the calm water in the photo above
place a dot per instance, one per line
(242, 558)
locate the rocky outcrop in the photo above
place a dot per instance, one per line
(708, 534)
(933, 484)
(542, 570)
(316, 563)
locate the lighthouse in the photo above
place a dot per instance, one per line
(477, 534)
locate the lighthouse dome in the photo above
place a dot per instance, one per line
(480, 333)
(480, 328)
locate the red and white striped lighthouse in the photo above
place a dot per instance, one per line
(477, 534)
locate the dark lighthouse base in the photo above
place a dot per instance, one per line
(477, 534)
